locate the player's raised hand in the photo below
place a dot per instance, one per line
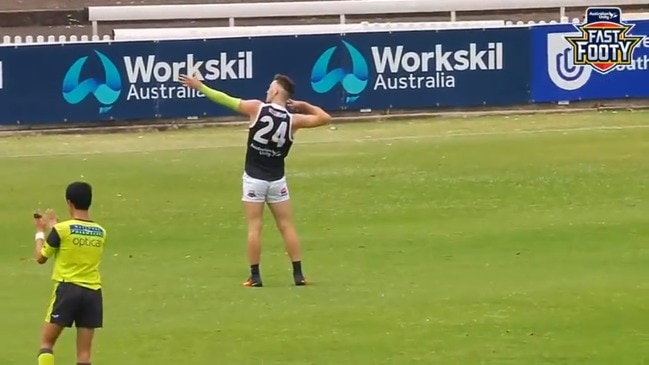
(39, 222)
(298, 106)
(50, 218)
(190, 81)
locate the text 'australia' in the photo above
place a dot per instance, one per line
(399, 69)
(152, 79)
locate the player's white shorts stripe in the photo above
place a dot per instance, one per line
(260, 191)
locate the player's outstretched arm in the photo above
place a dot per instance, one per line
(246, 107)
(310, 116)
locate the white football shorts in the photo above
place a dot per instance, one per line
(260, 191)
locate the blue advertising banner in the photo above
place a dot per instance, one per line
(557, 78)
(423, 69)
(124, 81)
(85, 82)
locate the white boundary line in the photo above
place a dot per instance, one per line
(449, 134)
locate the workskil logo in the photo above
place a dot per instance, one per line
(353, 81)
(152, 78)
(400, 67)
(147, 77)
(604, 41)
(106, 90)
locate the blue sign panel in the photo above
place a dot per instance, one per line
(85, 82)
(423, 69)
(557, 78)
(123, 81)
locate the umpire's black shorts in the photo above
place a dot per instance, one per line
(76, 304)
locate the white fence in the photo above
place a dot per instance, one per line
(141, 34)
(148, 34)
(8, 40)
(255, 31)
(329, 8)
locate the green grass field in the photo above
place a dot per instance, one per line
(500, 240)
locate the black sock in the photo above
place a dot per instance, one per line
(297, 267)
(254, 270)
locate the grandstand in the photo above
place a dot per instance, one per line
(70, 17)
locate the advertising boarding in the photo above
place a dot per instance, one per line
(122, 81)
(603, 58)
(423, 69)
(84, 82)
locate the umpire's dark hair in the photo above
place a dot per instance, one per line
(79, 194)
(286, 83)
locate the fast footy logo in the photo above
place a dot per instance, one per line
(605, 41)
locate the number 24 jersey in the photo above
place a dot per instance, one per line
(270, 139)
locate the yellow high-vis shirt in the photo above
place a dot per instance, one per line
(76, 247)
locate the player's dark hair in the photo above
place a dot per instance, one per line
(79, 194)
(286, 83)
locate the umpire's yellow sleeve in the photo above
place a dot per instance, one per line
(52, 244)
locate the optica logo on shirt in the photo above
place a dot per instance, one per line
(105, 90)
(86, 242)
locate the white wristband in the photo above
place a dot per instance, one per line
(40, 236)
